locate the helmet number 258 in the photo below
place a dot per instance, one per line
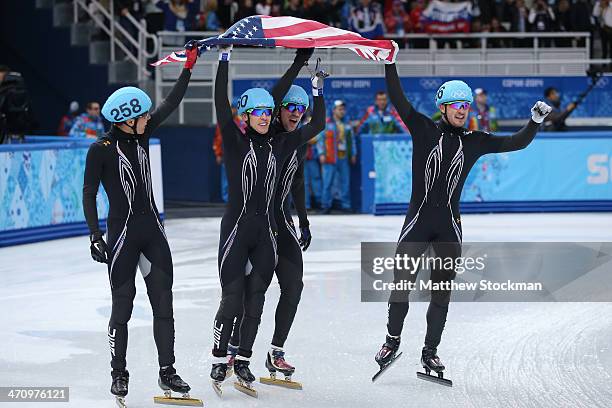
(124, 112)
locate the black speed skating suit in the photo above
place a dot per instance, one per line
(442, 158)
(135, 235)
(248, 239)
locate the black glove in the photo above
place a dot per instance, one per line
(99, 249)
(304, 53)
(305, 238)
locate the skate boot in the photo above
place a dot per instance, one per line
(169, 381)
(119, 386)
(275, 361)
(431, 362)
(244, 377)
(387, 355)
(218, 374)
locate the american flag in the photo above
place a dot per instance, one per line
(292, 32)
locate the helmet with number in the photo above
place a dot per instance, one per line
(255, 98)
(297, 95)
(126, 103)
(454, 91)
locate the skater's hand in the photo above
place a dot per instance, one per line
(305, 238)
(225, 52)
(99, 249)
(539, 111)
(317, 78)
(193, 52)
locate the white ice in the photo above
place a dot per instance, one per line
(55, 304)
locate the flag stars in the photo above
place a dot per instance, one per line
(250, 33)
(254, 28)
(242, 25)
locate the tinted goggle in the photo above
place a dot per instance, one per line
(260, 111)
(459, 105)
(291, 107)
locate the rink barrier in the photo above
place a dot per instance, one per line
(41, 181)
(558, 172)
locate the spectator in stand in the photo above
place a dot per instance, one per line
(263, 7)
(520, 23)
(564, 22)
(488, 10)
(482, 116)
(582, 21)
(475, 27)
(294, 9)
(88, 124)
(397, 20)
(337, 151)
(507, 13)
(318, 11)
(496, 27)
(208, 19)
(366, 19)
(555, 121)
(68, 119)
(381, 118)
(603, 13)
(542, 20)
(245, 9)
(178, 14)
(129, 7)
(218, 149)
(416, 9)
(312, 170)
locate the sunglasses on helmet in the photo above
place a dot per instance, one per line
(260, 111)
(459, 105)
(291, 107)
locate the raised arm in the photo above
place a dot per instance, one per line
(413, 120)
(174, 98)
(282, 86)
(225, 119)
(522, 138)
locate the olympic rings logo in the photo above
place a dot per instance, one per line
(429, 83)
(262, 84)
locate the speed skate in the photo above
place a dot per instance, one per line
(184, 400)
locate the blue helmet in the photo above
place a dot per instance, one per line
(126, 103)
(454, 91)
(254, 98)
(297, 95)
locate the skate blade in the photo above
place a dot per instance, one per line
(281, 383)
(120, 401)
(248, 390)
(217, 387)
(190, 402)
(435, 379)
(383, 369)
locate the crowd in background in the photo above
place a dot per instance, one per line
(378, 18)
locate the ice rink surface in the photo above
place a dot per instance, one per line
(55, 303)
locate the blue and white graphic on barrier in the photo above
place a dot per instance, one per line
(512, 97)
(43, 187)
(551, 168)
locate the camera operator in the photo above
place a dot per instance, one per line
(555, 121)
(15, 105)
